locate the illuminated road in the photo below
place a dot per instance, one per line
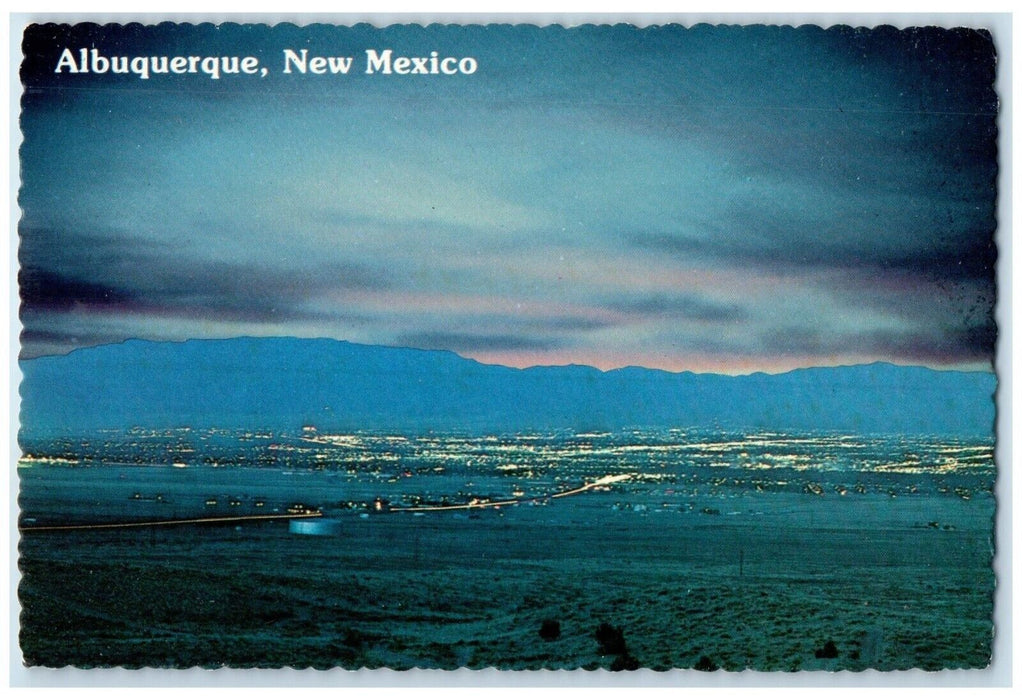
(159, 523)
(602, 481)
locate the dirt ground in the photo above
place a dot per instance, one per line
(773, 582)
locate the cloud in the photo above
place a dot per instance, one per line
(107, 273)
(474, 342)
(690, 307)
(708, 194)
(926, 346)
(41, 289)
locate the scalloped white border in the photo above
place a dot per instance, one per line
(866, 13)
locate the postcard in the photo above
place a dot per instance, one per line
(515, 347)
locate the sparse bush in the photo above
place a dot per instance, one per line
(353, 638)
(611, 639)
(550, 630)
(829, 650)
(705, 663)
(625, 662)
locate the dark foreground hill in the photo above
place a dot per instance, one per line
(285, 383)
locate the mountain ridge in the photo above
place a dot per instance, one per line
(285, 382)
(325, 339)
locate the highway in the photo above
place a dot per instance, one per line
(602, 481)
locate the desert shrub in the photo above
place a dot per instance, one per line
(353, 638)
(829, 650)
(550, 630)
(625, 662)
(611, 639)
(705, 663)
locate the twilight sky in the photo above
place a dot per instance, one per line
(714, 199)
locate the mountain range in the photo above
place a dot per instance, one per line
(287, 383)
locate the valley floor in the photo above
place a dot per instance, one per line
(772, 582)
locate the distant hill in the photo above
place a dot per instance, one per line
(285, 383)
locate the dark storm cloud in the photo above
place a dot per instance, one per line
(877, 155)
(61, 271)
(42, 289)
(939, 346)
(935, 346)
(253, 291)
(933, 69)
(682, 306)
(793, 240)
(947, 286)
(39, 337)
(475, 342)
(559, 324)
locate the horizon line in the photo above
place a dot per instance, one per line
(990, 369)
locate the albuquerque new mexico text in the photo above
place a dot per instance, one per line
(294, 62)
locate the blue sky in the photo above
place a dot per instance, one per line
(712, 199)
